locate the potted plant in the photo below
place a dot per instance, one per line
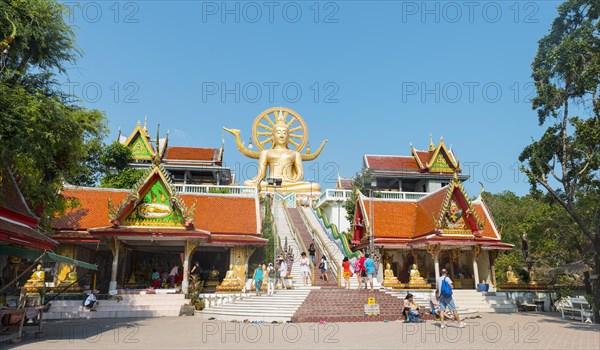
(194, 290)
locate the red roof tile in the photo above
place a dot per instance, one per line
(190, 153)
(11, 197)
(424, 157)
(392, 163)
(344, 184)
(92, 209)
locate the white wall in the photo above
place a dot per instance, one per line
(336, 213)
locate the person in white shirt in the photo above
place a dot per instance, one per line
(91, 303)
(282, 273)
(172, 275)
(305, 268)
(446, 301)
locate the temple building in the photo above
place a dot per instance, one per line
(419, 213)
(186, 165)
(421, 172)
(128, 233)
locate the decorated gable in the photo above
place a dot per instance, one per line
(441, 164)
(140, 149)
(155, 209)
(153, 202)
(457, 215)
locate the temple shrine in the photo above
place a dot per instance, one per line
(182, 210)
(420, 219)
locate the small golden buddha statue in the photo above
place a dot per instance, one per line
(231, 282)
(532, 277)
(37, 278)
(70, 279)
(415, 276)
(511, 277)
(389, 280)
(213, 274)
(63, 274)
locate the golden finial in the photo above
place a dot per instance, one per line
(482, 190)
(145, 121)
(455, 176)
(431, 145)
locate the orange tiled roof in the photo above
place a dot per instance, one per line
(392, 163)
(428, 210)
(92, 210)
(414, 220)
(190, 153)
(216, 214)
(392, 218)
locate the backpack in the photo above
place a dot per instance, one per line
(445, 289)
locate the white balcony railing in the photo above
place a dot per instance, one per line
(337, 195)
(248, 191)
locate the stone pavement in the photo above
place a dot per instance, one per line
(490, 331)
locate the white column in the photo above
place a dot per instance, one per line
(475, 271)
(436, 264)
(115, 266)
(186, 267)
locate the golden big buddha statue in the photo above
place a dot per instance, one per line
(280, 162)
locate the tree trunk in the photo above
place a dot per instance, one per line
(595, 279)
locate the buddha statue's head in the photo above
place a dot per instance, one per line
(231, 266)
(280, 132)
(387, 266)
(39, 267)
(414, 266)
(509, 268)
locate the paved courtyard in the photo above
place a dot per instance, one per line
(490, 331)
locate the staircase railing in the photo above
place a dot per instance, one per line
(337, 235)
(324, 247)
(298, 238)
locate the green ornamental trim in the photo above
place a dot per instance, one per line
(337, 235)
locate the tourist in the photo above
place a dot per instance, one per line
(197, 270)
(361, 273)
(444, 287)
(91, 303)
(258, 279)
(347, 272)
(370, 267)
(434, 306)
(323, 268)
(155, 279)
(282, 273)
(271, 278)
(172, 275)
(411, 309)
(311, 251)
(305, 269)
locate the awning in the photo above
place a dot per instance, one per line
(66, 260)
(34, 254)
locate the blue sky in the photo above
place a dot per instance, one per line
(369, 76)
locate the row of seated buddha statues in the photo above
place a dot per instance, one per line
(415, 280)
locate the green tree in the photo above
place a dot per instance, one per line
(565, 160)
(361, 182)
(45, 138)
(115, 160)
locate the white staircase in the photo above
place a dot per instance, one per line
(149, 305)
(477, 301)
(421, 297)
(279, 307)
(285, 232)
